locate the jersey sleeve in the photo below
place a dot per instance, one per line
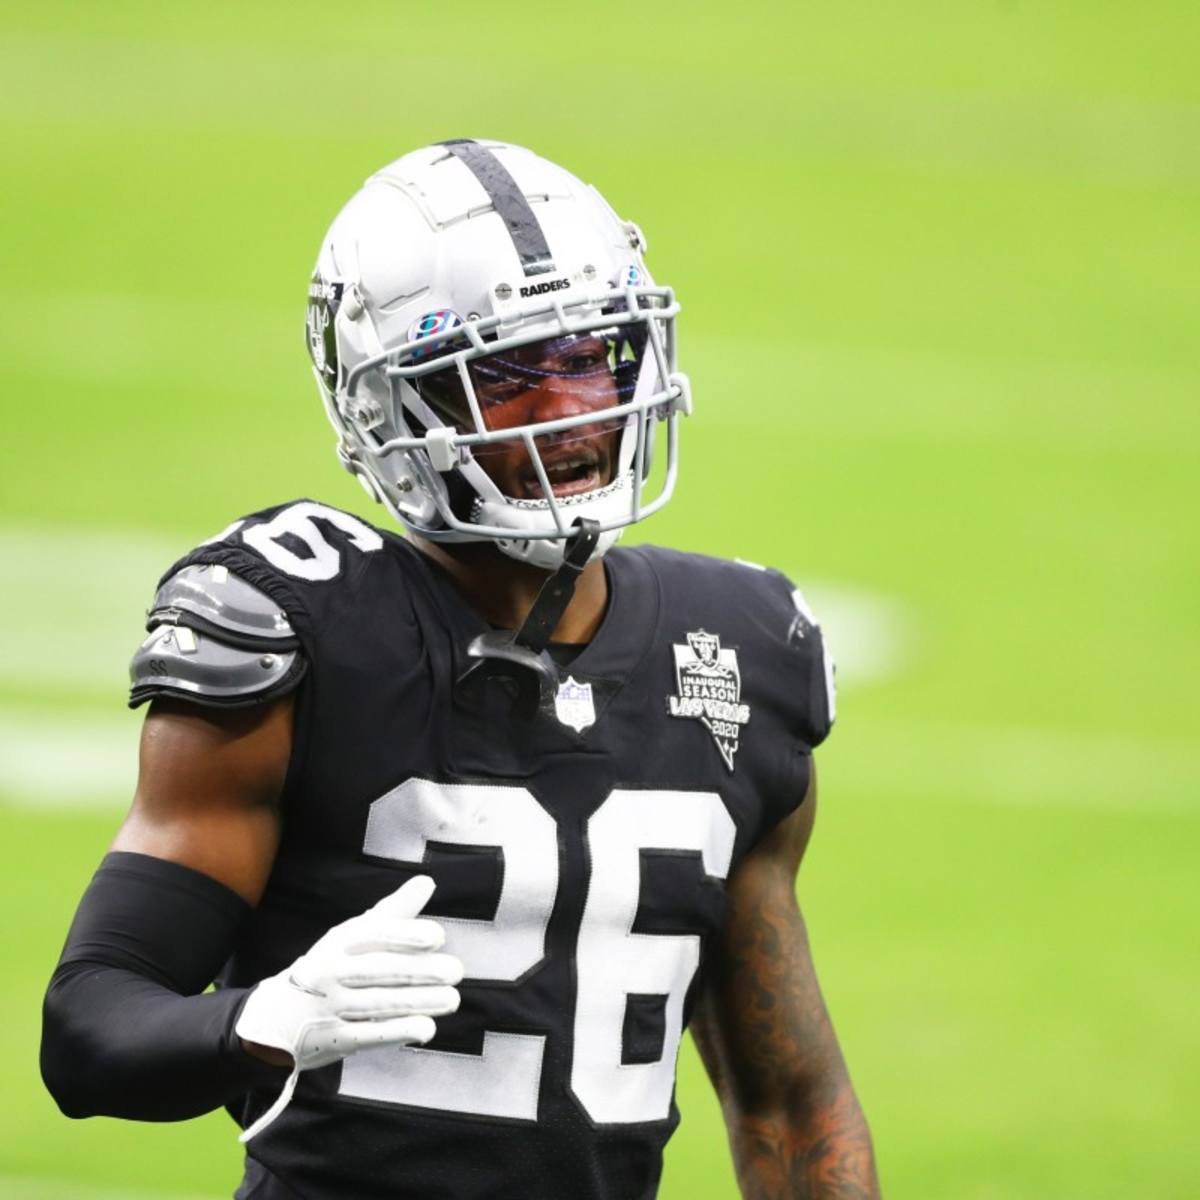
(807, 666)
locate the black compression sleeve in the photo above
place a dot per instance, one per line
(127, 1029)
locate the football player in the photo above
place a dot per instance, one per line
(468, 825)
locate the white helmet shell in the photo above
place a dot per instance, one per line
(465, 251)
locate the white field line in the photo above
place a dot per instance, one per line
(75, 762)
(71, 613)
(72, 607)
(68, 761)
(868, 636)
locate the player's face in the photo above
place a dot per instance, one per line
(544, 381)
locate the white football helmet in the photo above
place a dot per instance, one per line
(492, 351)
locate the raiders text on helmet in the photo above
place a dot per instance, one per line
(540, 289)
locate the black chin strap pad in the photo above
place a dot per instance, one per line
(557, 591)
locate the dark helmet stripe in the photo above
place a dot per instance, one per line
(509, 202)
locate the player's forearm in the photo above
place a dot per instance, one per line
(128, 1030)
(116, 1044)
(816, 1153)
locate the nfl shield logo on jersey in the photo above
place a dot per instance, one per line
(710, 690)
(574, 706)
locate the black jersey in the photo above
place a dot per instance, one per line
(579, 858)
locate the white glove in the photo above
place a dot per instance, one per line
(374, 980)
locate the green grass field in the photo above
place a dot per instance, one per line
(941, 271)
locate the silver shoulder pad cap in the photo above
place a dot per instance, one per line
(217, 640)
(212, 597)
(176, 660)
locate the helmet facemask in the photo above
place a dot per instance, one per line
(513, 425)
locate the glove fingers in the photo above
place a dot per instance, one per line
(399, 1031)
(407, 900)
(393, 915)
(325, 1041)
(398, 969)
(369, 933)
(382, 1003)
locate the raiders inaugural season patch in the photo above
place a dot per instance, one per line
(710, 690)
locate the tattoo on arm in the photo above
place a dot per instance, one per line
(795, 1124)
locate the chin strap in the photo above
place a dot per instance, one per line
(517, 659)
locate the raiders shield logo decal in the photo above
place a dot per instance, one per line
(710, 690)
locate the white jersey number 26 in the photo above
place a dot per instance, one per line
(612, 962)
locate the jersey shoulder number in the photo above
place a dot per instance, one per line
(303, 540)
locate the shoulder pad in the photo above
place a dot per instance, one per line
(215, 639)
(178, 661)
(212, 599)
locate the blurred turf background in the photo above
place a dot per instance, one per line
(941, 270)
